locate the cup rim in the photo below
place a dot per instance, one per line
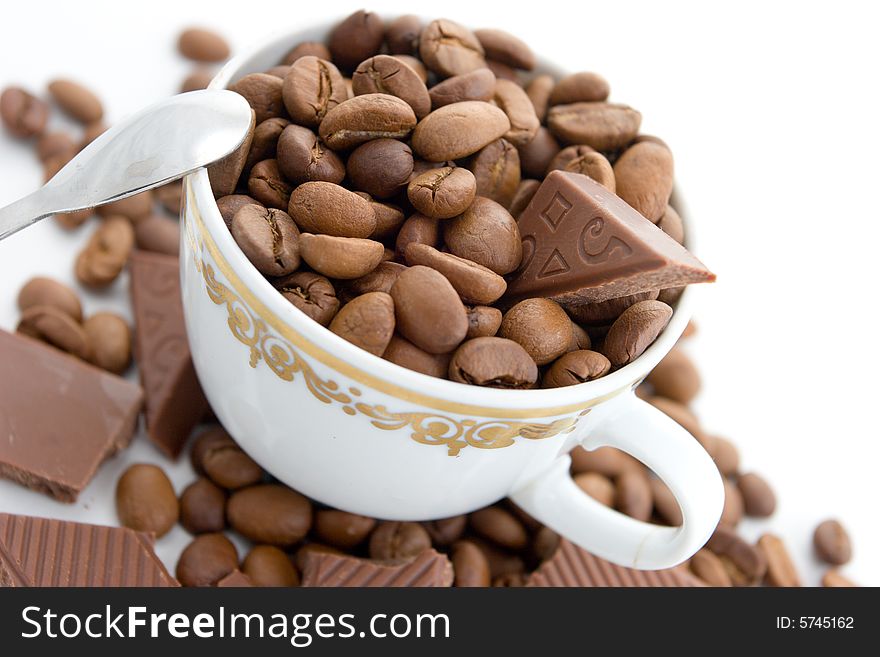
(492, 401)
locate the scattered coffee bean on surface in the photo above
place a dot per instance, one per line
(203, 507)
(499, 526)
(342, 529)
(75, 99)
(675, 377)
(270, 513)
(745, 563)
(759, 500)
(110, 339)
(597, 486)
(781, 570)
(202, 45)
(832, 543)
(23, 114)
(469, 564)
(57, 328)
(206, 560)
(268, 566)
(42, 291)
(710, 568)
(834, 578)
(106, 254)
(145, 499)
(398, 540)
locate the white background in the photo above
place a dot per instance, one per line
(772, 113)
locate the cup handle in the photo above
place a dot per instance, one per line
(633, 426)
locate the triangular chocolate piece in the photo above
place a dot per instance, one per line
(174, 399)
(583, 244)
(428, 569)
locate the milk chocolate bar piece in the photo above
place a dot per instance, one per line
(60, 418)
(175, 402)
(46, 552)
(583, 244)
(428, 569)
(573, 566)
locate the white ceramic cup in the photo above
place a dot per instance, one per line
(362, 434)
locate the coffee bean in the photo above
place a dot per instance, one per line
(834, 578)
(42, 291)
(366, 117)
(832, 543)
(398, 540)
(198, 79)
(685, 417)
(493, 362)
(341, 257)
(445, 531)
(506, 48)
(202, 45)
(110, 340)
(709, 568)
(384, 74)
(476, 85)
(231, 204)
(469, 564)
(381, 167)
(23, 114)
(671, 224)
(402, 34)
(499, 526)
(675, 377)
(597, 486)
(264, 145)
(458, 130)
(263, 94)
(474, 283)
(389, 217)
(207, 560)
(91, 132)
(342, 529)
(644, 176)
(106, 253)
(303, 158)
(725, 455)
(72, 220)
(75, 99)
(379, 280)
(311, 88)
(417, 229)
(535, 156)
(665, 503)
(540, 326)
(633, 495)
(483, 321)
(501, 562)
(356, 38)
(268, 566)
(366, 321)
(514, 102)
(584, 160)
(145, 500)
(745, 564)
(486, 234)
(448, 48)
(603, 126)
(497, 171)
(225, 173)
(269, 238)
(524, 194)
(214, 437)
(170, 196)
(781, 570)
(268, 186)
(732, 512)
(429, 312)
(538, 91)
(51, 144)
(158, 234)
(635, 330)
(580, 87)
(307, 49)
(134, 207)
(226, 464)
(607, 461)
(758, 498)
(576, 367)
(580, 339)
(270, 513)
(313, 294)
(605, 312)
(401, 351)
(443, 193)
(203, 507)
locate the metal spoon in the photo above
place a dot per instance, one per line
(155, 146)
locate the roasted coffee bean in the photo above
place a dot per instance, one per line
(758, 498)
(448, 48)
(603, 126)
(303, 158)
(417, 229)
(576, 367)
(158, 234)
(42, 291)
(23, 114)
(514, 102)
(366, 117)
(356, 38)
(263, 94)
(706, 565)
(214, 437)
(106, 253)
(312, 293)
(535, 156)
(476, 85)
(834, 578)
(133, 208)
(381, 167)
(268, 186)
(202, 45)
(398, 540)
(781, 570)
(644, 177)
(665, 503)
(145, 499)
(231, 204)
(470, 565)
(170, 196)
(279, 71)
(607, 461)
(685, 417)
(486, 234)
(671, 224)
(745, 564)
(502, 71)
(198, 79)
(366, 321)
(501, 562)
(443, 193)
(483, 321)
(605, 312)
(540, 326)
(401, 351)
(583, 159)
(635, 330)
(545, 544)
(524, 194)
(110, 340)
(511, 580)
(497, 171)
(474, 283)
(264, 145)
(579, 87)
(389, 217)
(675, 377)
(207, 560)
(445, 531)
(224, 174)
(402, 34)
(342, 529)
(203, 507)
(832, 543)
(306, 49)
(54, 164)
(493, 362)
(499, 526)
(268, 566)
(269, 238)
(633, 494)
(51, 144)
(91, 132)
(226, 464)
(75, 99)
(538, 91)
(270, 513)
(580, 339)
(458, 130)
(732, 512)
(341, 257)
(418, 67)
(379, 280)
(506, 48)
(384, 74)
(311, 88)
(725, 455)
(429, 312)
(597, 486)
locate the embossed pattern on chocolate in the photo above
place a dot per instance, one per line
(428, 569)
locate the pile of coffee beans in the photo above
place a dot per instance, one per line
(380, 188)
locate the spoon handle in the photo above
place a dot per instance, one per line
(22, 213)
